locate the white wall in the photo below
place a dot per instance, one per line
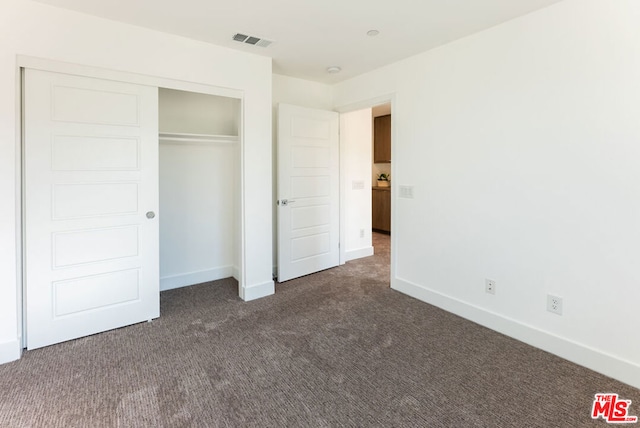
(521, 143)
(355, 151)
(197, 213)
(195, 113)
(33, 29)
(299, 92)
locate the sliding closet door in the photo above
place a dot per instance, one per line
(91, 197)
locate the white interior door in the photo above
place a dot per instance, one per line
(308, 191)
(91, 191)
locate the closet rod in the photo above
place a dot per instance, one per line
(197, 138)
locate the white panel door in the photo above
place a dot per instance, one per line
(91, 194)
(308, 191)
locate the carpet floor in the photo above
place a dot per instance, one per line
(337, 348)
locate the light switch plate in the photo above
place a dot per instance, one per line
(406, 192)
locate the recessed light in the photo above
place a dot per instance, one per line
(333, 69)
(373, 33)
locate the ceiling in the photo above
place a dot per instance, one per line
(310, 36)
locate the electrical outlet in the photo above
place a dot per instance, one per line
(554, 304)
(490, 286)
(362, 233)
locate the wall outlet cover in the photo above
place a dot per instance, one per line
(554, 304)
(490, 286)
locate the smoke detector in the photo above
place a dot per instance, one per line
(251, 40)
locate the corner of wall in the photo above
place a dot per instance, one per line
(609, 365)
(257, 291)
(358, 253)
(10, 351)
(191, 278)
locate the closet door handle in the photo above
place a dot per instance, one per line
(285, 202)
(150, 215)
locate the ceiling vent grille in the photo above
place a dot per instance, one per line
(251, 40)
(240, 37)
(263, 43)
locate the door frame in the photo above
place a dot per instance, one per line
(369, 103)
(24, 61)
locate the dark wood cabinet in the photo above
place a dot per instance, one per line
(382, 139)
(381, 209)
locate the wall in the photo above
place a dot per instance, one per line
(37, 30)
(299, 92)
(194, 113)
(356, 154)
(521, 144)
(198, 216)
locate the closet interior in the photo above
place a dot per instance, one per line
(199, 182)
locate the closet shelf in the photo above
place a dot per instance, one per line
(172, 137)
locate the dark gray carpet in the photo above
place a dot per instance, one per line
(338, 348)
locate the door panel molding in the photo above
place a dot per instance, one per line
(91, 254)
(308, 190)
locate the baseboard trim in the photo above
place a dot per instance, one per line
(596, 360)
(257, 291)
(358, 254)
(198, 277)
(10, 351)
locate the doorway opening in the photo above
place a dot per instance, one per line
(199, 181)
(366, 156)
(381, 178)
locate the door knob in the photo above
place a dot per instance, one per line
(150, 215)
(285, 202)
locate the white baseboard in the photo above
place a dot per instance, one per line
(257, 291)
(236, 273)
(594, 359)
(191, 278)
(10, 351)
(358, 254)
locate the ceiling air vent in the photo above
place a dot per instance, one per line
(251, 40)
(263, 43)
(240, 37)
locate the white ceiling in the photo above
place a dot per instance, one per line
(311, 35)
